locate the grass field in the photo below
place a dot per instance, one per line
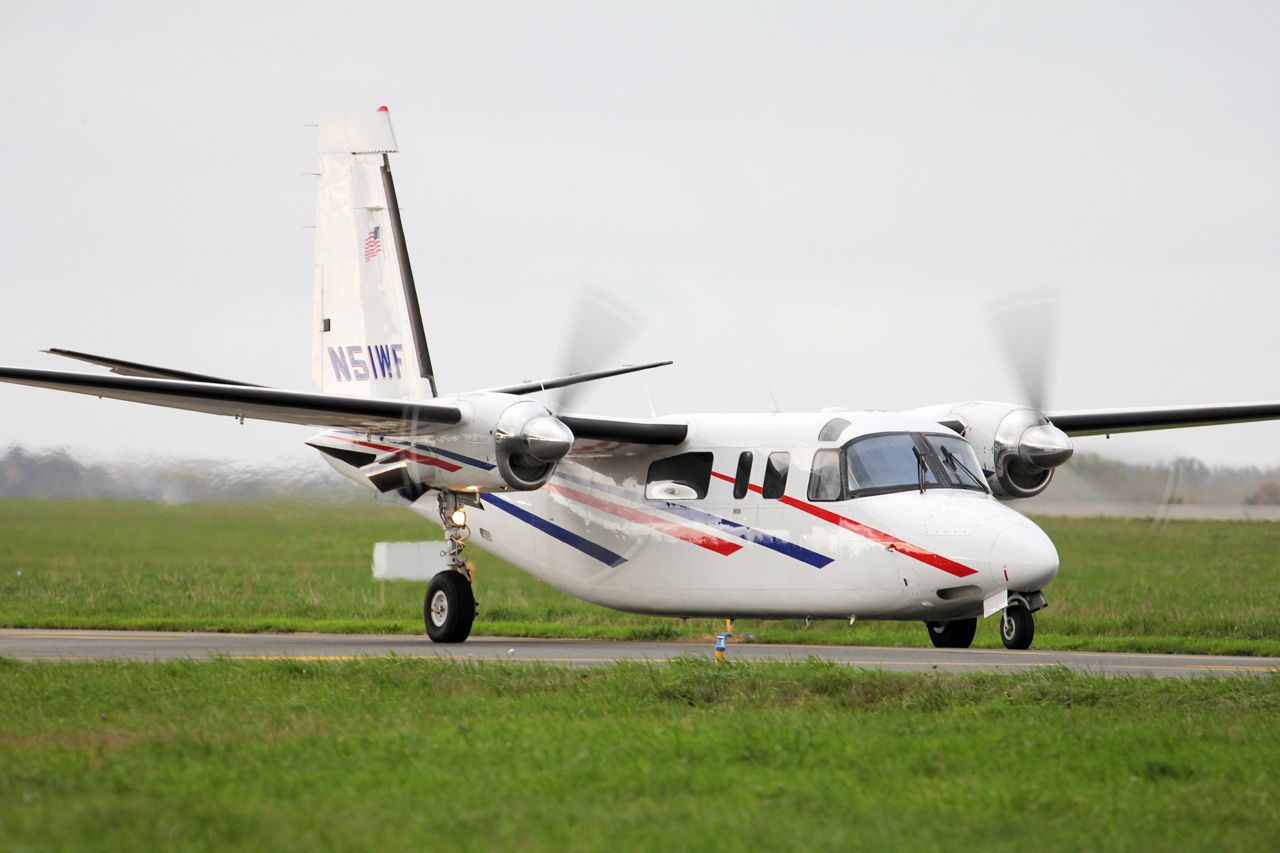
(410, 753)
(1124, 585)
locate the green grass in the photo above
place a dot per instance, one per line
(410, 753)
(1124, 585)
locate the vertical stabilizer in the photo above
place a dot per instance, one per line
(369, 338)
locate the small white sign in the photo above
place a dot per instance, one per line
(409, 561)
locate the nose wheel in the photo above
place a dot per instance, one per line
(1017, 627)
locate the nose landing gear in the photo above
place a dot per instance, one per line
(1017, 627)
(449, 608)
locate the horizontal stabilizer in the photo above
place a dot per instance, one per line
(133, 368)
(575, 378)
(382, 417)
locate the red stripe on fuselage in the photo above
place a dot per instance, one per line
(686, 534)
(411, 455)
(938, 561)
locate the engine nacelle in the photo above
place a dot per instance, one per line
(1018, 447)
(503, 443)
(529, 441)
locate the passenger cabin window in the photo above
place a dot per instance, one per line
(742, 480)
(679, 478)
(824, 479)
(775, 474)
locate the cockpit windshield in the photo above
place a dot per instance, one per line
(887, 461)
(959, 461)
(899, 461)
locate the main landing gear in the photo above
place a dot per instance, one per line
(956, 634)
(1017, 629)
(449, 608)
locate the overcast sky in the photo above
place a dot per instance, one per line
(822, 196)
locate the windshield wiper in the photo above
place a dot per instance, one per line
(954, 464)
(920, 467)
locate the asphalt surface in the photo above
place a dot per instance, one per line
(157, 645)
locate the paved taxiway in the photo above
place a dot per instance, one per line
(158, 645)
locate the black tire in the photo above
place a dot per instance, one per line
(1017, 627)
(449, 621)
(956, 634)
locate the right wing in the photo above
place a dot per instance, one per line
(382, 417)
(575, 379)
(625, 432)
(379, 417)
(1108, 421)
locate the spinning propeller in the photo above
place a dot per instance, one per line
(601, 326)
(1027, 444)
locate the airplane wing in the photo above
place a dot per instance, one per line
(626, 432)
(575, 379)
(1108, 421)
(383, 417)
(133, 368)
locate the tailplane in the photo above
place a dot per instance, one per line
(369, 337)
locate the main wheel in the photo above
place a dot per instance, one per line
(449, 607)
(956, 634)
(1017, 627)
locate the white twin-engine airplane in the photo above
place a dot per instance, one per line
(841, 514)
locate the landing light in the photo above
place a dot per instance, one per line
(459, 517)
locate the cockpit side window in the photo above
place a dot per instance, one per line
(679, 478)
(824, 479)
(742, 480)
(775, 474)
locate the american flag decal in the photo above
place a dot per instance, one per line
(373, 244)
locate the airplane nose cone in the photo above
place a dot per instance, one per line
(1025, 555)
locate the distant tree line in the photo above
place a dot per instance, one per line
(59, 474)
(1087, 478)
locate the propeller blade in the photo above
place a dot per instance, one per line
(601, 326)
(1027, 325)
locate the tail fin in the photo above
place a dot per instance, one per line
(369, 338)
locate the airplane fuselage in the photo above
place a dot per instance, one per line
(749, 547)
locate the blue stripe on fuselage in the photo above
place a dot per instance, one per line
(733, 528)
(456, 457)
(568, 537)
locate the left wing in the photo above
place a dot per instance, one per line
(1108, 421)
